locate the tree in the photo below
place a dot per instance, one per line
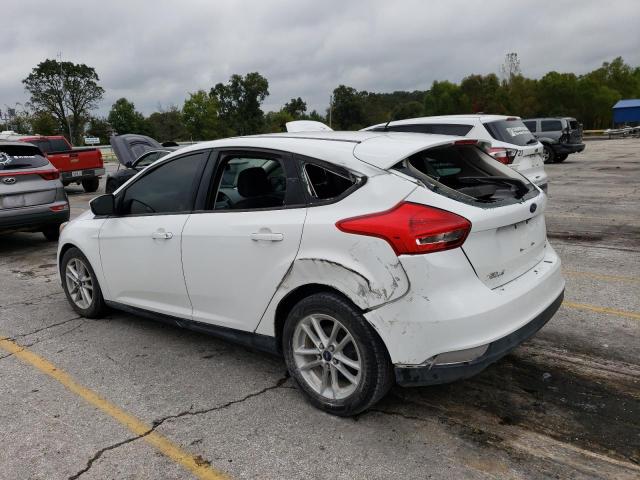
(348, 109)
(445, 98)
(100, 127)
(43, 123)
(167, 125)
(124, 118)
(239, 102)
(511, 67)
(296, 107)
(276, 121)
(200, 116)
(408, 110)
(66, 90)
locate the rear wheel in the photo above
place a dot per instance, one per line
(548, 154)
(561, 157)
(52, 233)
(81, 285)
(90, 185)
(334, 355)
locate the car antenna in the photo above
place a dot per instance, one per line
(386, 126)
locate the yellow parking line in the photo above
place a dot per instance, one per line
(164, 445)
(599, 276)
(595, 308)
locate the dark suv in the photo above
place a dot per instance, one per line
(559, 136)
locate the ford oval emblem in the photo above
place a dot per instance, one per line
(533, 207)
(9, 180)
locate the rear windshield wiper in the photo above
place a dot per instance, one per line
(520, 186)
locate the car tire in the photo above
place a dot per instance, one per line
(110, 187)
(90, 185)
(334, 384)
(82, 290)
(561, 157)
(548, 154)
(52, 234)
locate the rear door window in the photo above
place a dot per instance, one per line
(550, 125)
(16, 157)
(249, 182)
(434, 128)
(510, 131)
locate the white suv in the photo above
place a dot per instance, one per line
(365, 258)
(509, 140)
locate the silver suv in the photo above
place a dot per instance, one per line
(559, 136)
(32, 197)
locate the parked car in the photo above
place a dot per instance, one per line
(559, 136)
(134, 153)
(366, 259)
(76, 165)
(508, 140)
(32, 198)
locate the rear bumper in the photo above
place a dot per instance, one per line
(86, 174)
(449, 309)
(437, 374)
(31, 218)
(568, 148)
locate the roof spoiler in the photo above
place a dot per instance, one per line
(307, 126)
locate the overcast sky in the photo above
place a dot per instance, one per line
(155, 52)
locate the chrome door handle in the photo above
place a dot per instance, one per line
(161, 235)
(267, 236)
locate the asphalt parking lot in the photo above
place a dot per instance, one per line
(126, 397)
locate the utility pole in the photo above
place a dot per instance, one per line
(64, 95)
(330, 110)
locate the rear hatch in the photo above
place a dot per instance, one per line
(575, 131)
(26, 177)
(508, 232)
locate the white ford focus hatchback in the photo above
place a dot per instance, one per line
(364, 258)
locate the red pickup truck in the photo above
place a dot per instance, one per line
(76, 165)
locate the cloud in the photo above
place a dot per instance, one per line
(154, 53)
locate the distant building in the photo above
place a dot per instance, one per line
(626, 112)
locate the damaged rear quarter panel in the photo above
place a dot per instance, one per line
(364, 269)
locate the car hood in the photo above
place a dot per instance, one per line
(129, 147)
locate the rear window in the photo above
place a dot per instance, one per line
(14, 157)
(551, 125)
(58, 145)
(510, 131)
(434, 128)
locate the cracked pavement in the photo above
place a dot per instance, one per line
(564, 405)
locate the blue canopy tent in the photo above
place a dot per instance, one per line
(627, 112)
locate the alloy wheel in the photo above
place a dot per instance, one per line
(327, 356)
(79, 283)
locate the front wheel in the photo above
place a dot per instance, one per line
(81, 285)
(548, 154)
(90, 185)
(335, 356)
(561, 158)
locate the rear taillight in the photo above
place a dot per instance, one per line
(503, 155)
(411, 228)
(59, 208)
(50, 174)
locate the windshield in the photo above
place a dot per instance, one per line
(14, 157)
(511, 131)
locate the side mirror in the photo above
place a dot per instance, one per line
(128, 164)
(103, 205)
